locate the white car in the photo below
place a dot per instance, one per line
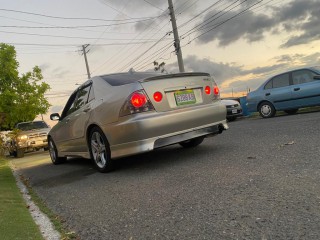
(234, 109)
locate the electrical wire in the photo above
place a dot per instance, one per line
(69, 18)
(72, 37)
(153, 5)
(71, 27)
(223, 22)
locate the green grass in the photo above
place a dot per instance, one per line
(15, 219)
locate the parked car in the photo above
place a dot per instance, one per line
(234, 109)
(117, 115)
(28, 136)
(287, 91)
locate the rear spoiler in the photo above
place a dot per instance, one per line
(175, 75)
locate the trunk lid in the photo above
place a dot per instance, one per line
(180, 90)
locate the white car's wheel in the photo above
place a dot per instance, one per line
(100, 150)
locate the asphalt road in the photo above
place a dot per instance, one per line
(258, 180)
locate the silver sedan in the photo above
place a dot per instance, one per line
(117, 115)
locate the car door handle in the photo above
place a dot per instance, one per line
(267, 94)
(296, 89)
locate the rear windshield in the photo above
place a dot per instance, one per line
(31, 125)
(126, 78)
(317, 68)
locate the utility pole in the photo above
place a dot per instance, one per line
(85, 58)
(176, 37)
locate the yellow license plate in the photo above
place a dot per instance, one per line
(185, 97)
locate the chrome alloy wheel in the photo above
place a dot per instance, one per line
(98, 148)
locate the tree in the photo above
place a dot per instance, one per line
(21, 97)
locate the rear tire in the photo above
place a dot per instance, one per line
(192, 142)
(291, 111)
(100, 150)
(267, 110)
(20, 153)
(54, 153)
(230, 119)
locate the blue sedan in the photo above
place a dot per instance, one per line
(287, 91)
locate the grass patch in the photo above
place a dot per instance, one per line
(56, 220)
(15, 221)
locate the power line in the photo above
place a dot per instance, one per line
(84, 26)
(190, 20)
(63, 36)
(77, 44)
(223, 22)
(211, 19)
(153, 5)
(128, 50)
(68, 18)
(134, 60)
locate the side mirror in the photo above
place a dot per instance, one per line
(317, 77)
(55, 116)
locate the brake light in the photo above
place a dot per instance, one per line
(138, 99)
(207, 90)
(137, 102)
(216, 90)
(157, 96)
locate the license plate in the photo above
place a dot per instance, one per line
(234, 110)
(185, 97)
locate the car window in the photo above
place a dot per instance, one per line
(302, 76)
(280, 81)
(31, 125)
(82, 97)
(268, 85)
(77, 100)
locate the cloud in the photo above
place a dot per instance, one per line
(220, 71)
(297, 15)
(232, 77)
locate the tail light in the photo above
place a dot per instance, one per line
(138, 99)
(207, 90)
(157, 96)
(216, 90)
(137, 102)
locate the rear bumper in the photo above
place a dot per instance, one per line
(147, 145)
(147, 131)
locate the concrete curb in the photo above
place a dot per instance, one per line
(46, 227)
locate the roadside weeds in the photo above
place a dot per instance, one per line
(23, 214)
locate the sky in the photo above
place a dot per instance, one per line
(240, 43)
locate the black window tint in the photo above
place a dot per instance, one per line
(302, 76)
(268, 85)
(82, 97)
(91, 94)
(31, 125)
(281, 80)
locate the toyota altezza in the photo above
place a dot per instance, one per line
(117, 115)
